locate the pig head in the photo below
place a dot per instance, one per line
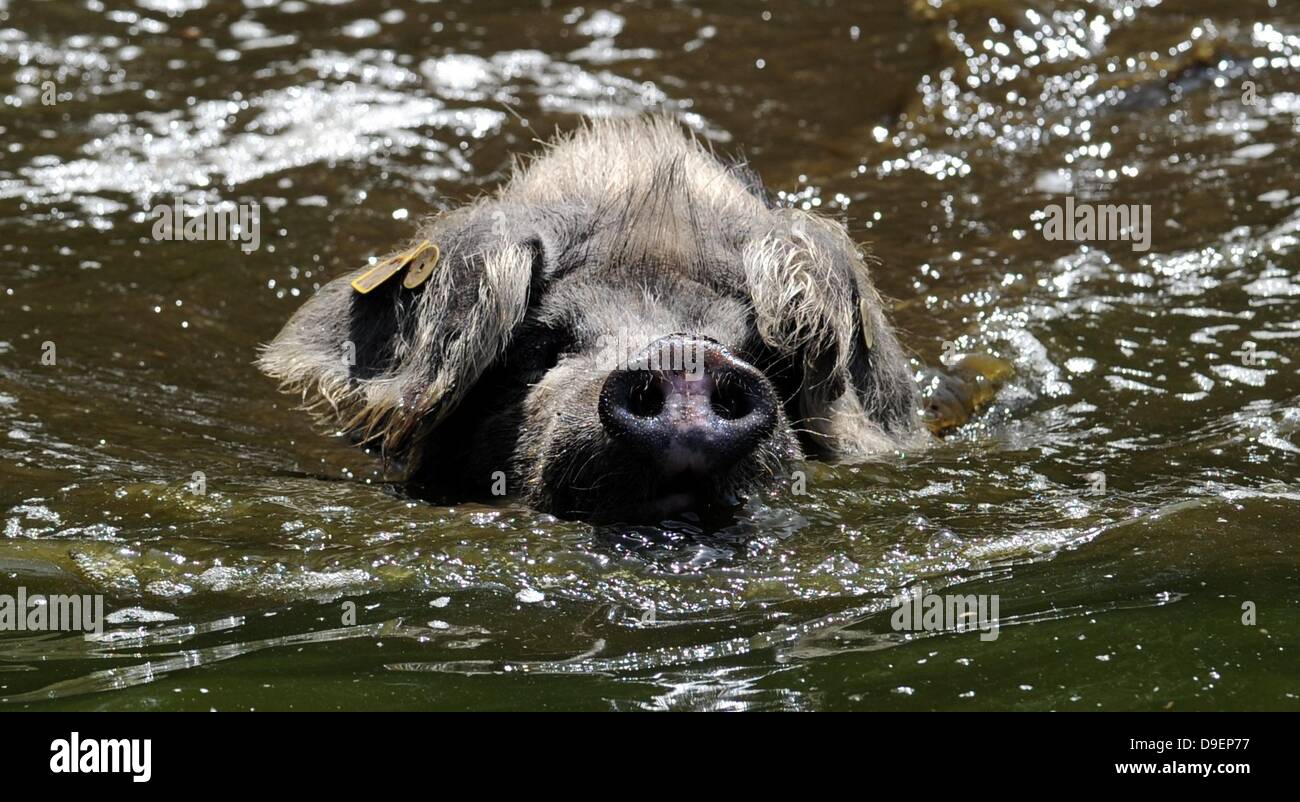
(626, 329)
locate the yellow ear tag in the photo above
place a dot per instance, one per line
(424, 261)
(386, 269)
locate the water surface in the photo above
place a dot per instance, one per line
(939, 130)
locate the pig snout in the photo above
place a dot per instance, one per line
(688, 405)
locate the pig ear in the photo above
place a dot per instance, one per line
(814, 302)
(386, 366)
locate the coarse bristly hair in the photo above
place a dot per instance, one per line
(622, 225)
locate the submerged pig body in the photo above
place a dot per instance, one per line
(626, 329)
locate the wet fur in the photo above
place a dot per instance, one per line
(623, 227)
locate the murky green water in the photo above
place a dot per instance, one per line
(940, 129)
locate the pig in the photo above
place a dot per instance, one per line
(627, 329)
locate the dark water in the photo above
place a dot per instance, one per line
(939, 129)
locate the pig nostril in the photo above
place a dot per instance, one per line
(689, 422)
(646, 399)
(730, 401)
